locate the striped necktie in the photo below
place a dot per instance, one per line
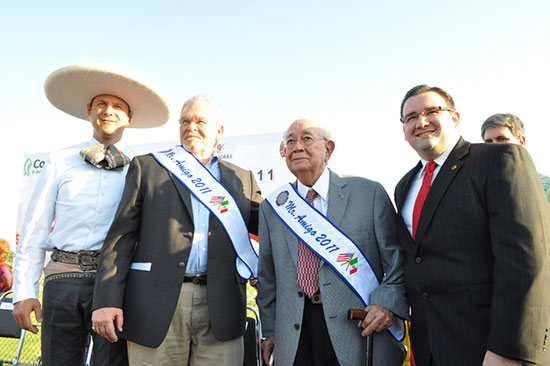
(308, 261)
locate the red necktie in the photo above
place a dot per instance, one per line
(424, 189)
(308, 261)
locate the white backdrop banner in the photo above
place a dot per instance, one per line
(257, 153)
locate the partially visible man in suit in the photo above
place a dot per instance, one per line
(313, 267)
(176, 259)
(508, 128)
(477, 264)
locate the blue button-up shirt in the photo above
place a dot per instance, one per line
(199, 250)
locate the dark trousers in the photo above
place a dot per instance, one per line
(314, 347)
(67, 322)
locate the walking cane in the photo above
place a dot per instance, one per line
(357, 314)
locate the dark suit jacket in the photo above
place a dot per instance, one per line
(477, 277)
(154, 224)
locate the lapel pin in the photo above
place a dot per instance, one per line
(341, 197)
(454, 167)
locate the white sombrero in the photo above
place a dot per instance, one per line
(72, 87)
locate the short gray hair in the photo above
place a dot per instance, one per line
(324, 131)
(204, 99)
(514, 124)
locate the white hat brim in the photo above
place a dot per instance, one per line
(71, 88)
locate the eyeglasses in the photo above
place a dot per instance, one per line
(199, 122)
(427, 112)
(306, 140)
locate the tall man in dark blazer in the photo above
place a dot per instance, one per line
(477, 263)
(168, 277)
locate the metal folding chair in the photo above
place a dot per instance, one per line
(89, 350)
(252, 340)
(9, 331)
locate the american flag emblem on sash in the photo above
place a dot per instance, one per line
(349, 261)
(220, 202)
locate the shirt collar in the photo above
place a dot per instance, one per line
(440, 160)
(212, 163)
(321, 186)
(94, 142)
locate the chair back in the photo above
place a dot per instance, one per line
(8, 326)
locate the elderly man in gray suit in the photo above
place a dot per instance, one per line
(318, 262)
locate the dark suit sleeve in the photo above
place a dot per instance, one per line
(117, 252)
(519, 220)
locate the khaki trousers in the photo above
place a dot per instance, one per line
(189, 340)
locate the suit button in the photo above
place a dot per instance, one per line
(188, 235)
(296, 326)
(425, 296)
(300, 293)
(418, 260)
(181, 265)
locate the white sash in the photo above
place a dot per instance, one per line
(329, 243)
(211, 193)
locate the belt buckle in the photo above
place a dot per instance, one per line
(199, 280)
(84, 263)
(316, 299)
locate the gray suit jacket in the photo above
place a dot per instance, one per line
(362, 210)
(154, 224)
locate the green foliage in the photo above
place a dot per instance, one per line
(251, 293)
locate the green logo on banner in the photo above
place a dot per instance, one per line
(27, 167)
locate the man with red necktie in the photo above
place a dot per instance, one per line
(478, 227)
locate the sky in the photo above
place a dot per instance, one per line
(347, 64)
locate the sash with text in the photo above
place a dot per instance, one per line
(329, 243)
(211, 193)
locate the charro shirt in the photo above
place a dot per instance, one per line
(78, 200)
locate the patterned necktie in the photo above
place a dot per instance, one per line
(424, 189)
(308, 261)
(106, 158)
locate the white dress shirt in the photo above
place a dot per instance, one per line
(408, 205)
(80, 198)
(321, 187)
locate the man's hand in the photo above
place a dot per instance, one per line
(492, 359)
(22, 314)
(102, 322)
(267, 348)
(378, 318)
